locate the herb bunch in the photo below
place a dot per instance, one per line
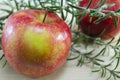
(87, 50)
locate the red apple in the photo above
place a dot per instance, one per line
(106, 28)
(36, 42)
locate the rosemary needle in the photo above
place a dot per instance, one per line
(93, 57)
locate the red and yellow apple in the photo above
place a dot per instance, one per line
(106, 28)
(36, 42)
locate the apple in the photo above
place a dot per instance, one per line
(36, 42)
(106, 28)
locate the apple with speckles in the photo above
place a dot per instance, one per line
(36, 42)
(106, 28)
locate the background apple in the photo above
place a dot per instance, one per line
(36, 42)
(106, 26)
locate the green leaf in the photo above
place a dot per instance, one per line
(103, 72)
(71, 21)
(117, 11)
(111, 41)
(108, 64)
(35, 3)
(61, 2)
(95, 70)
(4, 64)
(1, 57)
(103, 2)
(90, 2)
(40, 3)
(7, 3)
(73, 58)
(109, 77)
(81, 18)
(115, 21)
(100, 53)
(102, 32)
(102, 18)
(80, 61)
(118, 41)
(62, 14)
(76, 7)
(100, 60)
(16, 3)
(118, 61)
(90, 52)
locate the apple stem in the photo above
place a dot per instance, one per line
(45, 16)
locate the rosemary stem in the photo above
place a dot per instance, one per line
(74, 10)
(102, 66)
(1, 57)
(89, 9)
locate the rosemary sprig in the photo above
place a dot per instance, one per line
(90, 58)
(94, 58)
(71, 8)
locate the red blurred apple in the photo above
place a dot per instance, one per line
(106, 28)
(35, 45)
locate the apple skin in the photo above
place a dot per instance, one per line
(33, 47)
(106, 26)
